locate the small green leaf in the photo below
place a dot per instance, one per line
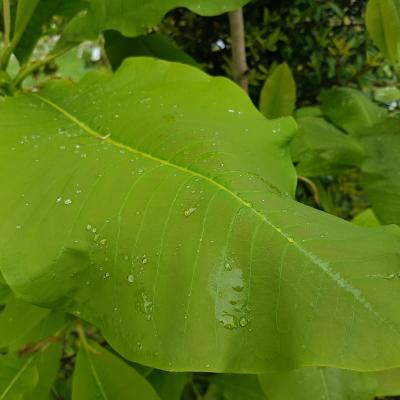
(351, 110)
(383, 24)
(102, 375)
(278, 95)
(119, 47)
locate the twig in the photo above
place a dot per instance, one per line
(313, 188)
(240, 68)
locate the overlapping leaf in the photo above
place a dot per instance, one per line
(170, 225)
(133, 18)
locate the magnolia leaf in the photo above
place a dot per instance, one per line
(351, 110)
(133, 18)
(381, 170)
(319, 383)
(321, 149)
(101, 374)
(278, 95)
(119, 47)
(171, 226)
(383, 24)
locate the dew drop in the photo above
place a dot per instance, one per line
(131, 278)
(68, 202)
(243, 322)
(18, 226)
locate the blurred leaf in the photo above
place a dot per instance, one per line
(239, 387)
(17, 319)
(47, 362)
(321, 149)
(319, 383)
(278, 95)
(101, 374)
(169, 385)
(387, 95)
(42, 15)
(366, 218)
(351, 110)
(119, 47)
(18, 375)
(23, 324)
(305, 112)
(383, 24)
(381, 176)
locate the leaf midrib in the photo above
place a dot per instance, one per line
(324, 265)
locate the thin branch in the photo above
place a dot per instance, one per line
(240, 68)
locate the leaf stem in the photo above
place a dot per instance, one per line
(7, 33)
(7, 22)
(28, 69)
(82, 338)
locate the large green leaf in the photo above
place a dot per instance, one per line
(321, 149)
(381, 170)
(134, 17)
(319, 383)
(278, 95)
(177, 235)
(351, 110)
(100, 374)
(383, 24)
